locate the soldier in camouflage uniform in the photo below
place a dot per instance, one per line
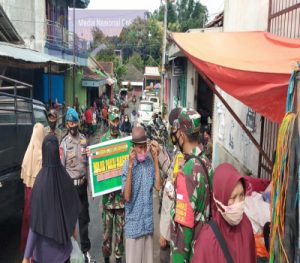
(113, 203)
(192, 203)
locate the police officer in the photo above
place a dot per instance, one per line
(52, 128)
(113, 203)
(74, 158)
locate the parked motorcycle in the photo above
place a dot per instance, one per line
(157, 130)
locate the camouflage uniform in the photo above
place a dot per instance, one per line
(113, 214)
(183, 237)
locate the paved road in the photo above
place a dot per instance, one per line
(10, 230)
(96, 228)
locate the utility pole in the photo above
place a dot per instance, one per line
(163, 71)
(74, 52)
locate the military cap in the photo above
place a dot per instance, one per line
(188, 121)
(72, 115)
(174, 115)
(113, 113)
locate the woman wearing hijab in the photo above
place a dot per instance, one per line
(127, 125)
(228, 215)
(32, 164)
(55, 207)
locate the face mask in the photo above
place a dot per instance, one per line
(141, 157)
(180, 145)
(73, 130)
(233, 214)
(126, 120)
(114, 129)
(52, 124)
(173, 138)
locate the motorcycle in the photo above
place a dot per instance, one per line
(157, 131)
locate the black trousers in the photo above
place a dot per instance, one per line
(84, 217)
(164, 254)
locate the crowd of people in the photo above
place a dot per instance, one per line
(202, 215)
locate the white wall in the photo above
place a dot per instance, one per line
(230, 143)
(246, 15)
(29, 19)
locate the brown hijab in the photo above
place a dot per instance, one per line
(32, 162)
(239, 239)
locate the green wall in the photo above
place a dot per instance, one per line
(80, 92)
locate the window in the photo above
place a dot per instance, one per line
(41, 117)
(146, 107)
(153, 100)
(7, 117)
(7, 114)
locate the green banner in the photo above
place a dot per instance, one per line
(106, 163)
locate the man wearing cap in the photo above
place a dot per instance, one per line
(113, 203)
(140, 174)
(169, 166)
(52, 129)
(74, 159)
(192, 187)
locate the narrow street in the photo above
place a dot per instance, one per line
(96, 227)
(214, 83)
(10, 230)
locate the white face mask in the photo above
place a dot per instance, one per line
(233, 214)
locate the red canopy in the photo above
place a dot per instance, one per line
(253, 67)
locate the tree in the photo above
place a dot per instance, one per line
(98, 37)
(137, 61)
(185, 14)
(143, 37)
(109, 55)
(151, 62)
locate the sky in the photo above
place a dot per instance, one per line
(214, 6)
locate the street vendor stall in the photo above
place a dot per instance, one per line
(255, 68)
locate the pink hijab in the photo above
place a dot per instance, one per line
(239, 239)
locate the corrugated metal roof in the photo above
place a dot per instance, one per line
(8, 33)
(88, 74)
(107, 66)
(13, 53)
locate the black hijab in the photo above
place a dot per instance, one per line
(55, 204)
